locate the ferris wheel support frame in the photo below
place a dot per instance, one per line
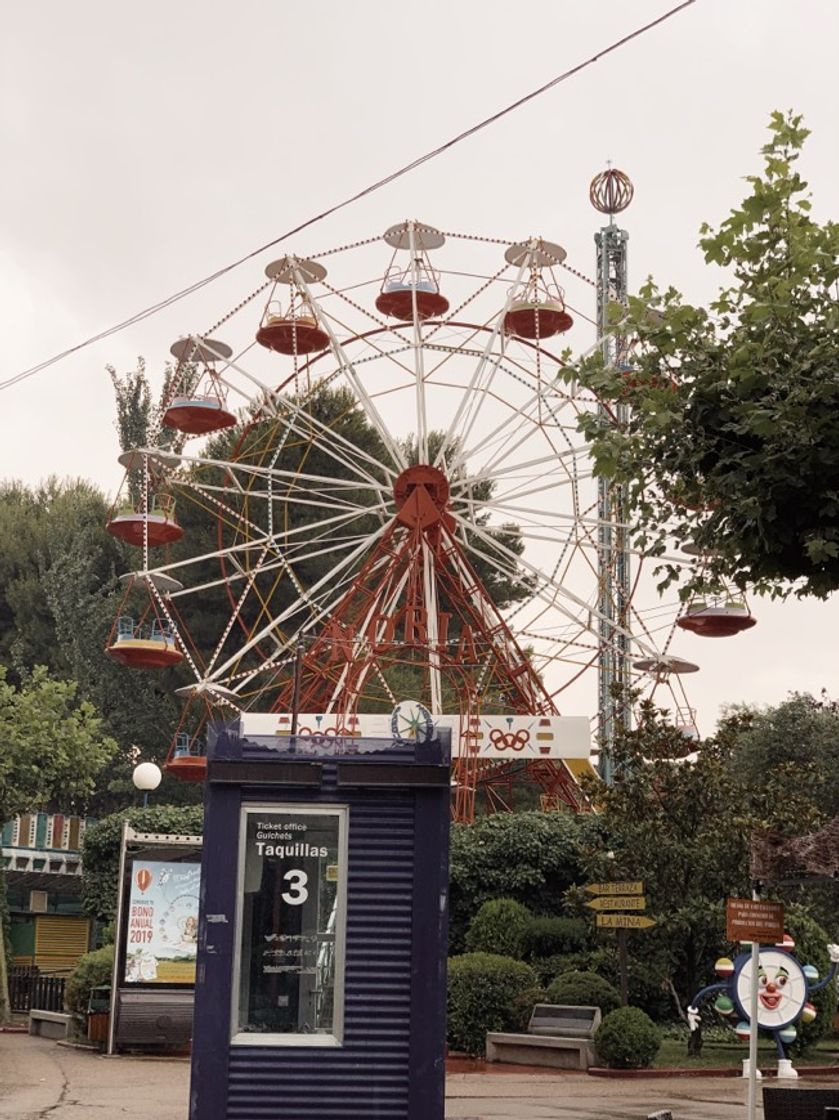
(613, 661)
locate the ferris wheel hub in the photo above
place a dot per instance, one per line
(421, 494)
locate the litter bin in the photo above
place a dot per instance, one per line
(98, 1013)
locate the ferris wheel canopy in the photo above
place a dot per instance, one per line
(193, 348)
(413, 235)
(160, 581)
(535, 254)
(290, 270)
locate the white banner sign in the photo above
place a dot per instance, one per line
(495, 737)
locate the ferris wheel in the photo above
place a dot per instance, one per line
(369, 473)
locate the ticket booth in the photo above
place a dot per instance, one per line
(320, 984)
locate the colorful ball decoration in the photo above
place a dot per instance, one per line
(611, 191)
(724, 1005)
(724, 967)
(742, 1031)
(808, 1013)
(787, 1035)
(811, 972)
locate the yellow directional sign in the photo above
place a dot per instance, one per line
(631, 886)
(624, 921)
(619, 902)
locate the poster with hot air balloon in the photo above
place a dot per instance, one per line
(161, 929)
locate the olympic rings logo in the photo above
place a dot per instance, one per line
(509, 740)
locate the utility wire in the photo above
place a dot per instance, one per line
(392, 177)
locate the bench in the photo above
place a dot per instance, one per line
(557, 1036)
(49, 1024)
(799, 1104)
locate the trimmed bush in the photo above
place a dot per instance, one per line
(92, 970)
(487, 992)
(547, 937)
(499, 927)
(584, 989)
(627, 1039)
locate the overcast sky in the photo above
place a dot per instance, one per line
(145, 147)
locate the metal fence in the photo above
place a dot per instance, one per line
(28, 989)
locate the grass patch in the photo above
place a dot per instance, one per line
(723, 1055)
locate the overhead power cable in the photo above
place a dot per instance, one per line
(154, 308)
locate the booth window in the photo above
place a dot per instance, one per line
(290, 925)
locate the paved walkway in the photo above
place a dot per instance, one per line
(40, 1080)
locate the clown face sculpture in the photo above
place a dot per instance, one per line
(783, 1000)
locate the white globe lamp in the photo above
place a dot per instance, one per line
(147, 777)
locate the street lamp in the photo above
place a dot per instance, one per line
(147, 777)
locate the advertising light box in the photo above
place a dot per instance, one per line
(162, 923)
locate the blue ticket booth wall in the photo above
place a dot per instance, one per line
(321, 976)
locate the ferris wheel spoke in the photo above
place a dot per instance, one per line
(331, 446)
(282, 562)
(277, 622)
(364, 397)
(506, 439)
(461, 424)
(559, 591)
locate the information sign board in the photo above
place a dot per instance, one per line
(619, 902)
(627, 886)
(623, 921)
(749, 919)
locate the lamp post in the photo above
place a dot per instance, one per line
(147, 777)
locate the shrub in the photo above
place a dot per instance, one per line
(499, 927)
(92, 970)
(487, 992)
(547, 937)
(584, 989)
(627, 1039)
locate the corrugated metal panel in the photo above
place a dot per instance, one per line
(60, 941)
(149, 1018)
(277, 1085)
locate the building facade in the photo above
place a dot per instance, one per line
(42, 864)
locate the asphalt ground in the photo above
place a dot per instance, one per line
(40, 1080)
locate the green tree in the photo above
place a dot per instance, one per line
(794, 743)
(59, 596)
(731, 440)
(53, 748)
(678, 827)
(683, 828)
(39, 528)
(530, 857)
